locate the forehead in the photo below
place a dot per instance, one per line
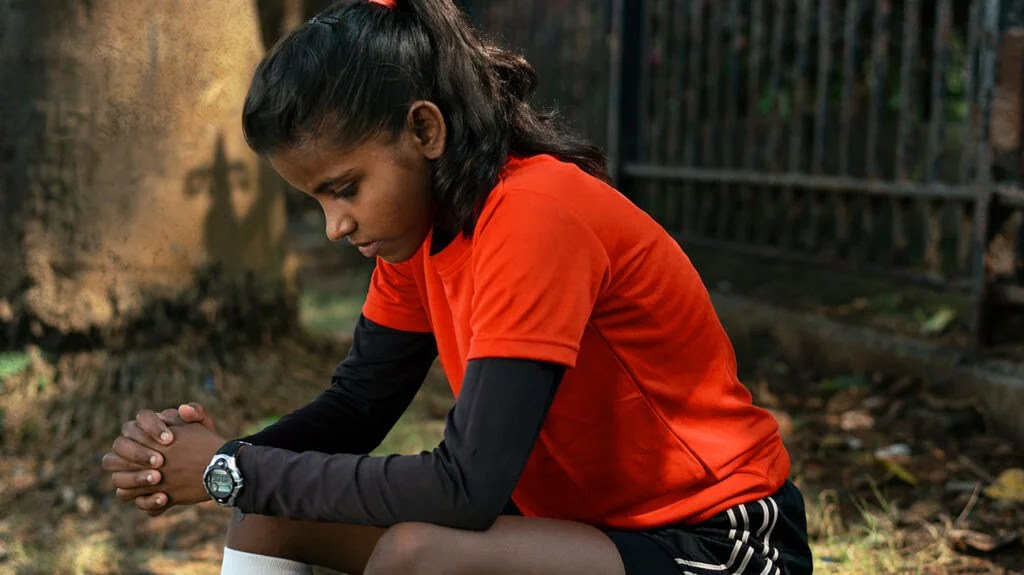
(305, 164)
(318, 152)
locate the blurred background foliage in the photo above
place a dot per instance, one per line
(149, 258)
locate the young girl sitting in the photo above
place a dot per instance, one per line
(599, 426)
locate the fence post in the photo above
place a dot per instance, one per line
(987, 56)
(626, 42)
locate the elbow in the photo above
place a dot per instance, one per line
(479, 513)
(476, 519)
(475, 499)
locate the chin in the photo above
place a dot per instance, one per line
(404, 253)
(396, 258)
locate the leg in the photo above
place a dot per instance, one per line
(342, 547)
(512, 546)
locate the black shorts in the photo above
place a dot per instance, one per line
(763, 537)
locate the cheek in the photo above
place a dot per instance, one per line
(412, 201)
(414, 215)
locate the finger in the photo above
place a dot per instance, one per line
(114, 462)
(194, 412)
(131, 430)
(153, 504)
(137, 453)
(130, 493)
(136, 479)
(152, 425)
(170, 417)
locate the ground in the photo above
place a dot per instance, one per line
(896, 480)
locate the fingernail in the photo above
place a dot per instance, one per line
(152, 460)
(149, 478)
(159, 500)
(165, 436)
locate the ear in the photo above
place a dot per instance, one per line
(425, 123)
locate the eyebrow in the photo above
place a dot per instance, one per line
(325, 186)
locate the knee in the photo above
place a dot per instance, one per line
(262, 535)
(407, 549)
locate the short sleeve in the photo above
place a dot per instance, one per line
(538, 267)
(394, 299)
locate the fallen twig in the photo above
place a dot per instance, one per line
(969, 507)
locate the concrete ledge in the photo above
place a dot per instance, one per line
(995, 387)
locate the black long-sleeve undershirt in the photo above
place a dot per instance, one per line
(312, 465)
(370, 390)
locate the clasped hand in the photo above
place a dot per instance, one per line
(159, 459)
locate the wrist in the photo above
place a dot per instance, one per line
(223, 479)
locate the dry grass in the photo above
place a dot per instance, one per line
(881, 538)
(61, 518)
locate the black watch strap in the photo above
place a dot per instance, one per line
(231, 447)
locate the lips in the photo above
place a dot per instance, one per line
(369, 249)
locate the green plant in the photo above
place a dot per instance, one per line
(13, 363)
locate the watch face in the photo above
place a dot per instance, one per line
(219, 483)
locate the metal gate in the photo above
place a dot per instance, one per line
(877, 135)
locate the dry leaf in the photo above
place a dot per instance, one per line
(856, 419)
(967, 540)
(1009, 486)
(894, 452)
(899, 471)
(938, 321)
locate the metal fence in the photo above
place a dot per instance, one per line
(879, 135)
(566, 41)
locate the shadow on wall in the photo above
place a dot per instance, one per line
(235, 241)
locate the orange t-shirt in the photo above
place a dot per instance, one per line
(650, 425)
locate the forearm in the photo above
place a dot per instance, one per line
(463, 483)
(331, 423)
(370, 390)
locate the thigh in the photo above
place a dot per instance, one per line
(766, 536)
(511, 546)
(338, 546)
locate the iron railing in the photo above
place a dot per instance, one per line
(854, 133)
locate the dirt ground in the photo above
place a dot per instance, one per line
(896, 479)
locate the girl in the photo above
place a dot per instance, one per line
(599, 426)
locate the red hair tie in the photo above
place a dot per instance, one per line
(330, 21)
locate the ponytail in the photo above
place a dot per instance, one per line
(352, 76)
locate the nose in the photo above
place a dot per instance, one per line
(339, 224)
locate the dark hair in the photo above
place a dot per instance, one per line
(352, 72)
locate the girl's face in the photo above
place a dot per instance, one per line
(376, 194)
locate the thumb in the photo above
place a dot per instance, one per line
(195, 413)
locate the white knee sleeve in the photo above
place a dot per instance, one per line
(242, 563)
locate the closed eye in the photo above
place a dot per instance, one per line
(345, 192)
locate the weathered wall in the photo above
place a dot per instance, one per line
(123, 169)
